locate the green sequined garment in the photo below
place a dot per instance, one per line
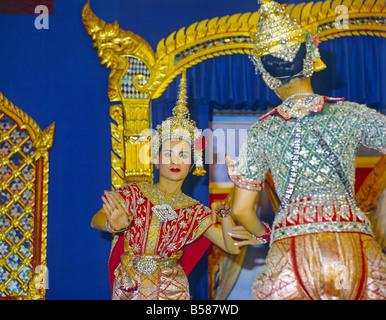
(270, 145)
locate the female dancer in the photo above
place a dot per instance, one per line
(155, 222)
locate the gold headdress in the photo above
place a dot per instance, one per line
(180, 126)
(279, 35)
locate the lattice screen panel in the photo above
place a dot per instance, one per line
(23, 204)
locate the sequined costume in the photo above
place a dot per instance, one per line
(322, 245)
(144, 260)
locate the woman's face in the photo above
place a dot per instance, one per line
(175, 160)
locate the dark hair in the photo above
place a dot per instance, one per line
(279, 68)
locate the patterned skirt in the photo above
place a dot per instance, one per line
(140, 282)
(323, 266)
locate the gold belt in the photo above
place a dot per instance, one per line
(148, 265)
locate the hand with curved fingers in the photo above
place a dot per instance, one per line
(234, 236)
(239, 234)
(218, 206)
(116, 215)
(243, 237)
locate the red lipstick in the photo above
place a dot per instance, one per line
(175, 170)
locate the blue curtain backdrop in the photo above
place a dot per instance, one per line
(54, 75)
(356, 70)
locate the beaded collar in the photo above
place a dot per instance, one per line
(150, 191)
(316, 106)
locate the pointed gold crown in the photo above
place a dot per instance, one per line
(276, 31)
(279, 35)
(181, 127)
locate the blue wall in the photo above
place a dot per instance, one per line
(54, 76)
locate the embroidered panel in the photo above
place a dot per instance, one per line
(343, 125)
(148, 235)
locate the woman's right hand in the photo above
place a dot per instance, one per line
(218, 205)
(116, 215)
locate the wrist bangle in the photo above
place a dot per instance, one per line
(110, 229)
(267, 237)
(224, 213)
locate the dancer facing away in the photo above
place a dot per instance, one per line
(321, 246)
(154, 222)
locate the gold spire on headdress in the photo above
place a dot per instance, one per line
(279, 35)
(180, 126)
(276, 31)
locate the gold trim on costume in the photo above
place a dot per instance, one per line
(151, 193)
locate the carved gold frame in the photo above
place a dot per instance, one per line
(123, 51)
(35, 231)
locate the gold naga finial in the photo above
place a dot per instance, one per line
(45, 140)
(114, 45)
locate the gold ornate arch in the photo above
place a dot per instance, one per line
(138, 74)
(23, 203)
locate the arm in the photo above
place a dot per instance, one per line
(248, 174)
(224, 235)
(244, 209)
(99, 220)
(226, 240)
(220, 235)
(373, 127)
(113, 212)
